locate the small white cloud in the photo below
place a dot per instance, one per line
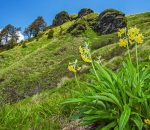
(21, 36)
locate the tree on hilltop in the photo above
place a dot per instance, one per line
(9, 33)
(35, 27)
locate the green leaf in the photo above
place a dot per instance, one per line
(114, 98)
(102, 98)
(103, 72)
(124, 117)
(99, 103)
(137, 120)
(74, 100)
(109, 126)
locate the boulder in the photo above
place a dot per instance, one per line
(109, 21)
(84, 12)
(61, 18)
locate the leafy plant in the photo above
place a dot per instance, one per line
(50, 34)
(116, 100)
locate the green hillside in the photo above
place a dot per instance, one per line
(41, 67)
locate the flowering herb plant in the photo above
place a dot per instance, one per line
(116, 100)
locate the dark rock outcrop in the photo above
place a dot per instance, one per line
(77, 28)
(109, 21)
(84, 12)
(61, 18)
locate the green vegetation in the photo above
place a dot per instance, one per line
(42, 111)
(42, 65)
(115, 100)
(50, 34)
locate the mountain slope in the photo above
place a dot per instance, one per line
(42, 64)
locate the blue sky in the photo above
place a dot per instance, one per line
(22, 12)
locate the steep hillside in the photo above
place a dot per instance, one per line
(42, 64)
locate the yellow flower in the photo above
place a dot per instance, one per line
(133, 31)
(136, 30)
(121, 32)
(73, 67)
(147, 121)
(139, 38)
(86, 58)
(131, 37)
(85, 54)
(80, 49)
(123, 42)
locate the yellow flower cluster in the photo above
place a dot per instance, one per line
(85, 54)
(135, 35)
(130, 36)
(147, 121)
(73, 67)
(123, 42)
(121, 32)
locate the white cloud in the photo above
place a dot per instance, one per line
(21, 36)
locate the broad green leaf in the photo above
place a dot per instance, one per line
(124, 117)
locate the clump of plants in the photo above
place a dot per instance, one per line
(50, 34)
(114, 100)
(23, 44)
(40, 34)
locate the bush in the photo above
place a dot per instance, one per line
(50, 34)
(61, 31)
(30, 39)
(23, 44)
(39, 35)
(47, 28)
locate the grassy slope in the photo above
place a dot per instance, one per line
(42, 64)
